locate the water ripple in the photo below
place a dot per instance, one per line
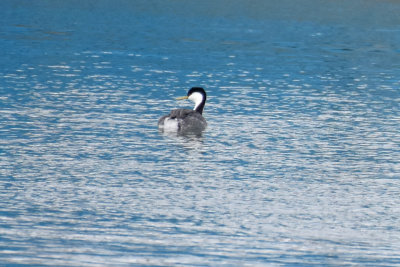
(298, 165)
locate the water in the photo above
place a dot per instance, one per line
(299, 164)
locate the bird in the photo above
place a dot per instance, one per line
(186, 120)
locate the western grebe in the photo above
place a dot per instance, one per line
(186, 120)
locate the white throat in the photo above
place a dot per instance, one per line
(197, 98)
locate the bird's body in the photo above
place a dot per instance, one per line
(186, 120)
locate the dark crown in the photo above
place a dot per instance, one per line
(197, 89)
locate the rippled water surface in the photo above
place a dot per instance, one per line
(299, 164)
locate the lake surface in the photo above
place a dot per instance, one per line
(299, 164)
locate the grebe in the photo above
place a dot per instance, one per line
(186, 120)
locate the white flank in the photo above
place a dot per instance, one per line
(170, 125)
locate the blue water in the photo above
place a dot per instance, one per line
(299, 165)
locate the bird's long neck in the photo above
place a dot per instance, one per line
(199, 108)
(199, 101)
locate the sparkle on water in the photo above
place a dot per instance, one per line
(299, 164)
